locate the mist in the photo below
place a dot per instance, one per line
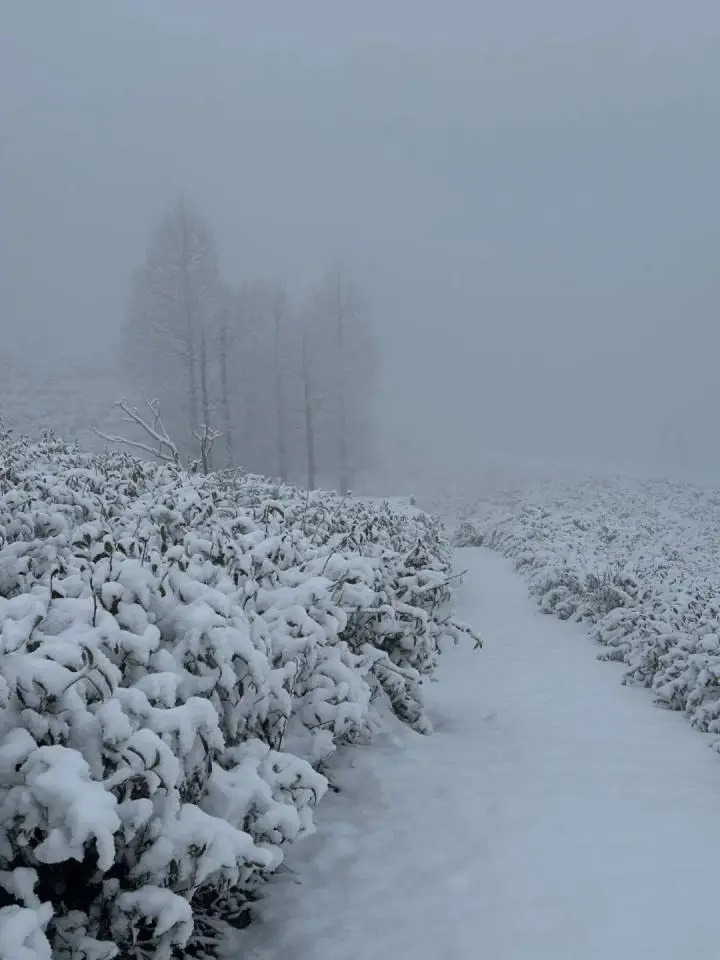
(530, 211)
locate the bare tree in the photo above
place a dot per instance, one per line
(343, 304)
(265, 359)
(289, 390)
(308, 412)
(342, 361)
(206, 438)
(279, 316)
(226, 340)
(167, 342)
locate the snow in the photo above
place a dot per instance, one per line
(554, 814)
(638, 559)
(193, 667)
(21, 936)
(180, 658)
(172, 915)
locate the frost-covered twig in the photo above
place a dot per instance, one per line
(206, 437)
(165, 448)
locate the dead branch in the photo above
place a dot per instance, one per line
(166, 448)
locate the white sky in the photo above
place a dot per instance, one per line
(535, 217)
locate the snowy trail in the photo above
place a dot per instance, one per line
(555, 814)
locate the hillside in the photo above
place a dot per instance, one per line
(181, 656)
(639, 561)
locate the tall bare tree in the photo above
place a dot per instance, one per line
(265, 358)
(307, 385)
(171, 318)
(226, 343)
(290, 390)
(279, 302)
(345, 306)
(343, 369)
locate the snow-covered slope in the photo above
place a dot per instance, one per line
(555, 815)
(180, 656)
(69, 393)
(638, 560)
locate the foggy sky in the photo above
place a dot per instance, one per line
(528, 196)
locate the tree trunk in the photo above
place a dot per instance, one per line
(309, 434)
(279, 404)
(192, 384)
(224, 388)
(189, 323)
(204, 394)
(342, 414)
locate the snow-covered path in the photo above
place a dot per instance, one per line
(555, 814)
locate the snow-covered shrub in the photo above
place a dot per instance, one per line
(639, 560)
(179, 655)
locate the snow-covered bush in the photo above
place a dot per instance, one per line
(179, 656)
(639, 560)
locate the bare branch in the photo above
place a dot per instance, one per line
(157, 430)
(165, 450)
(130, 443)
(206, 436)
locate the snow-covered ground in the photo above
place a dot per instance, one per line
(554, 814)
(640, 560)
(180, 656)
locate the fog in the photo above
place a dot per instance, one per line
(528, 200)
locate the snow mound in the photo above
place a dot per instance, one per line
(180, 656)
